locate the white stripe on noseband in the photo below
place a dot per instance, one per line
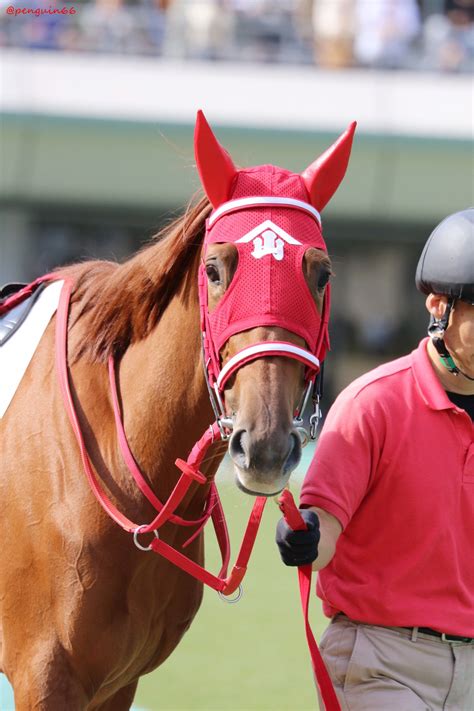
(242, 203)
(266, 349)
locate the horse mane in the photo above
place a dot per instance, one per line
(119, 304)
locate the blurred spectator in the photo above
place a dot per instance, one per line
(333, 28)
(385, 31)
(448, 39)
(460, 12)
(265, 30)
(107, 26)
(199, 30)
(151, 17)
(303, 22)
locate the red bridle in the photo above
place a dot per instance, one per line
(217, 376)
(270, 302)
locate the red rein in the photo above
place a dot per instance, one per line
(223, 583)
(295, 521)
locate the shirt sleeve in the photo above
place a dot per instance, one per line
(346, 456)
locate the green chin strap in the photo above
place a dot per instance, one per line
(449, 363)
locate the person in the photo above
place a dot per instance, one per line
(389, 505)
(385, 32)
(333, 30)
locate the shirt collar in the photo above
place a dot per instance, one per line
(427, 381)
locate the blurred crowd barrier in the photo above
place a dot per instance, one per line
(390, 34)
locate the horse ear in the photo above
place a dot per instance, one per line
(323, 177)
(215, 166)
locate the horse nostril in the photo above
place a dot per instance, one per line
(239, 449)
(294, 454)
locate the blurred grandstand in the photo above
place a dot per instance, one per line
(97, 110)
(408, 34)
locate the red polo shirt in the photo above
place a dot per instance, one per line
(395, 465)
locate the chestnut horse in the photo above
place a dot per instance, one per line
(83, 612)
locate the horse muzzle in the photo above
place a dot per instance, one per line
(263, 464)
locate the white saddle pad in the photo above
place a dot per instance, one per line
(19, 349)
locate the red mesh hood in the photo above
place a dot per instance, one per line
(268, 288)
(268, 180)
(276, 219)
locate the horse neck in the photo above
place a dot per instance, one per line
(164, 397)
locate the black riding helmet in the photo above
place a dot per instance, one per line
(446, 265)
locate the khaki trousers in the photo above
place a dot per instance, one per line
(391, 669)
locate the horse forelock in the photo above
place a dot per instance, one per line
(115, 305)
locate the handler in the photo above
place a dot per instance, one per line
(389, 503)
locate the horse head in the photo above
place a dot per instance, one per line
(264, 296)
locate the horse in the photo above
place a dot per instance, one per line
(83, 612)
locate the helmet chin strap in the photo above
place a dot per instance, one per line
(436, 330)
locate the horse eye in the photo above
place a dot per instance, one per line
(323, 279)
(213, 274)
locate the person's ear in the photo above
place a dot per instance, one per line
(436, 305)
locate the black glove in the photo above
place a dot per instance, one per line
(299, 547)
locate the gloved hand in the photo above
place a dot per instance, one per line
(299, 547)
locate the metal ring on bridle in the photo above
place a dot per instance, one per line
(232, 600)
(135, 537)
(303, 433)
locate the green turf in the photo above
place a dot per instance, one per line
(248, 656)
